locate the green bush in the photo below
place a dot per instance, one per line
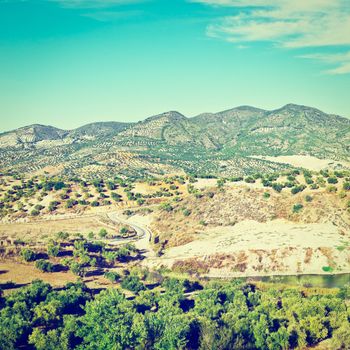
(44, 265)
(308, 198)
(112, 276)
(249, 180)
(103, 233)
(186, 212)
(123, 230)
(34, 212)
(346, 186)
(166, 206)
(62, 236)
(332, 180)
(277, 186)
(297, 189)
(53, 249)
(133, 284)
(77, 268)
(297, 208)
(327, 269)
(28, 255)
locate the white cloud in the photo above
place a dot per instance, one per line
(288, 24)
(342, 60)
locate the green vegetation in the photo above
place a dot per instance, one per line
(133, 284)
(297, 189)
(266, 195)
(186, 212)
(327, 269)
(28, 254)
(44, 265)
(297, 208)
(225, 315)
(103, 233)
(332, 180)
(53, 249)
(166, 206)
(112, 276)
(308, 198)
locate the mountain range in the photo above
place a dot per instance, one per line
(225, 143)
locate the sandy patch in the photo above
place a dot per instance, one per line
(23, 274)
(251, 248)
(37, 229)
(308, 162)
(251, 234)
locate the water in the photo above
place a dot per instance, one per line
(319, 281)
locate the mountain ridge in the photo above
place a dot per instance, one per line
(219, 143)
(238, 108)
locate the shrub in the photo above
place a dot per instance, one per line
(327, 269)
(28, 254)
(346, 186)
(309, 180)
(133, 284)
(34, 212)
(297, 208)
(53, 249)
(123, 230)
(308, 198)
(71, 203)
(39, 207)
(112, 276)
(140, 201)
(236, 179)
(103, 233)
(95, 203)
(77, 268)
(332, 180)
(266, 195)
(249, 180)
(166, 206)
(331, 189)
(186, 212)
(109, 256)
(123, 253)
(277, 186)
(62, 236)
(220, 183)
(44, 265)
(297, 189)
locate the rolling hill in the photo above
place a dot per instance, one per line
(226, 143)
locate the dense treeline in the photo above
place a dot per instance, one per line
(181, 315)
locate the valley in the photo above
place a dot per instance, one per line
(289, 223)
(187, 217)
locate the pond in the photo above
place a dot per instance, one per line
(320, 281)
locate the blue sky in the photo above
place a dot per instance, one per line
(70, 62)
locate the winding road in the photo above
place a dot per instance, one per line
(143, 233)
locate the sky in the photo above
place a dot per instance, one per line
(67, 63)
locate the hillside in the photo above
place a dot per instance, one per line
(226, 143)
(248, 228)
